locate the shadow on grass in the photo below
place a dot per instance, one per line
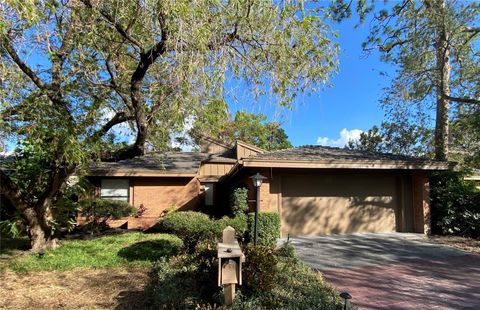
(9, 246)
(150, 250)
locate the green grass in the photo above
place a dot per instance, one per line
(122, 250)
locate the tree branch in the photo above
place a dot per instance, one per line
(460, 100)
(118, 118)
(51, 93)
(23, 66)
(119, 27)
(471, 29)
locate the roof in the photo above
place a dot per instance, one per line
(152, 164)
(314, 156)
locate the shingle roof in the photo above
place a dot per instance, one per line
(186, 162)
(321, 153)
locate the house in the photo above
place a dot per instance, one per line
(474, 177)
(317, 190)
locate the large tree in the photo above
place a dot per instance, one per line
(73, 71)
(215, 120)
(434, 46)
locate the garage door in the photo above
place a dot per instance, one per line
(331, 204)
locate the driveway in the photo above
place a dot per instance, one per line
(395, 271)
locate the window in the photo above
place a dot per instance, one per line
(115, 189)
(208, 188)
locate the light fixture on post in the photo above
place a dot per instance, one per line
(257, 182)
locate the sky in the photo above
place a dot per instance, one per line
(342, 111)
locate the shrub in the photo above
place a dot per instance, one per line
(268, 228)
(194, 227)
(239, 223)
(276, 282)
(270, 282)
(99, 211)
(190, 226)
(455, 205)
(260, 268)
(239, 201)
(287, 250)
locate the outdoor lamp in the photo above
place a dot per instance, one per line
(257, 180)
(346, 296)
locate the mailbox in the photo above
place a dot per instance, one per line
(230, 259)
(229, 272)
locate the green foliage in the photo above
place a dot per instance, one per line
(239, 223)
(286, 250)
(190, 226)
(187, 281)
(239, 200)
(260, 269)
(455, 205)
(402, 137)
(270, 281)
(144, 65)
(102, 252)
(434, 46)
(12, 227)
(98, 211)
(215, 121)
(194, 227)
(268, 228)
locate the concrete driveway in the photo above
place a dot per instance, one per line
(395, 271)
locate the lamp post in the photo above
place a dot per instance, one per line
(257, 182)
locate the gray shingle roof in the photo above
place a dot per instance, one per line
(320, 153)
(187, 162)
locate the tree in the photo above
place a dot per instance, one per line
(214, 120)
(397, 138)
(73, 71)
(434, 44)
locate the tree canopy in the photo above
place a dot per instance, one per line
(73, 71)
(434, 46)
(215, 120)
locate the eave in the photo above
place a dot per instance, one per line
(347, 164)
(140, 173)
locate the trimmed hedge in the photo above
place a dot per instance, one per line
(268, 227)
(193, 227)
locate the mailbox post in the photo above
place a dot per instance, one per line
(230, 259)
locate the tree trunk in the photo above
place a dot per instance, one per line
(39, 231)
(443, 88)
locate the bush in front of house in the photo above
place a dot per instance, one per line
(98, 211)
(190, 226)
(239, 201)
(455, 205)
(268, 227)
(271, 280)
(194, 227)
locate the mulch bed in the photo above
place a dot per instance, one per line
(465, 244)
(118, 288)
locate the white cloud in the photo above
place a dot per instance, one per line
(345, 136)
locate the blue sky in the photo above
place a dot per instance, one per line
(349, 106)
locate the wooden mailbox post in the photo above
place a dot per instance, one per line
(230, 259)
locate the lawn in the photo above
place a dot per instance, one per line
(119, 250)
(100, 273)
